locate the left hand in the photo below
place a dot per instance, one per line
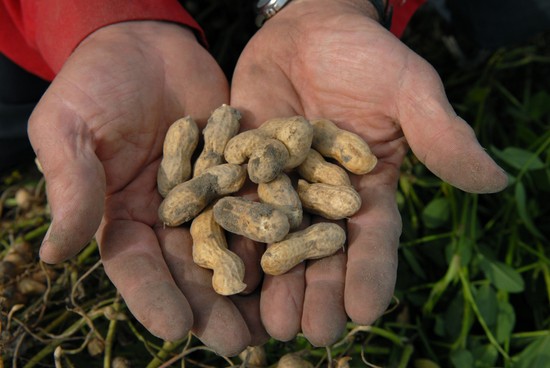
(331, 59)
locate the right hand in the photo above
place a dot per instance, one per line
(98, 133)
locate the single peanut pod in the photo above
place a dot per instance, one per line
(181, 140)
(281, 195)
(330, 201)
(16, 259)
(315, 169)
(317, 241)
(267, 162)
(222, 125)
(95, 346)
(210, 251)
(295, 132)
(11, 296)
(28, 286)
(121, 362)
(23, 198)
(266, 157)
(23, 248)
(188, 199)
(45, 274)
(293, 360)
(38, 165)
(343, 362)
(349, 149)
(257, 221)
(8, 271)
(254, 357)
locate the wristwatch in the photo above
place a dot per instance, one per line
(265, 9)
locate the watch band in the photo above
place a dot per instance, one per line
(265, 9)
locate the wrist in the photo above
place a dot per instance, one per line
(139, 32)
(300, 8)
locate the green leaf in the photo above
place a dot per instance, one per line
(486, 300)
(454, 316)
(521, 203)
(425, 363)
(506, 320)
(477, 95)
(504, 277)
(535, 355)
(462, 358)
(485, 355)
(539, 105)
(519, 158)
(413, 263)
(436, 213)
(439, 326)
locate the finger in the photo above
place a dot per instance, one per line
(282, 300)
(74, 175)
(324, 317)
(373, 238)
(218, 323)
(444, 142)
(281, 303)
(133, 260)
(249, 306)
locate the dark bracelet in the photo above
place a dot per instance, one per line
(384, 12)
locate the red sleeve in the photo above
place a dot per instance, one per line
(403, 11)
(40, 35)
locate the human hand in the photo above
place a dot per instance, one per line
(98, 133)
(331, 59)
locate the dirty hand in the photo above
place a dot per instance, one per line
(98, 133)
(331, 59)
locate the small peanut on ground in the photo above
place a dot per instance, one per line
(317, 241)
(266, 157)
(295, 132)
(254, 357)
(281, 195)
(330, 201)
(293, 360)
(315, 169)
(349, 149)
(188, 199)
(181, 140)
(257, 221)
(222, 125)
(210, 251)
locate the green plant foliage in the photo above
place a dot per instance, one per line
(436, 213)
(519, 159)
(535, 355)
(504, 277)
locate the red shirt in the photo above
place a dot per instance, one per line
(403, 11)
(39, 35)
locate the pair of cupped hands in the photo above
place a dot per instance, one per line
(98, 133)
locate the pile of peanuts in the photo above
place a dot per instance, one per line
(200, 192)
(20, 277)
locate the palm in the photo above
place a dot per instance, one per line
(331, 61)
(98, 133)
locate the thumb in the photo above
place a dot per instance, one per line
(74, 177)
(444, 142)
